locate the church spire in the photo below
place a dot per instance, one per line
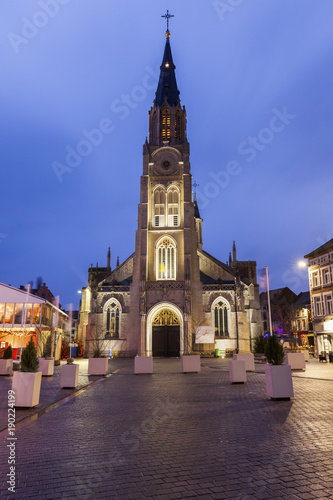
(167, 89)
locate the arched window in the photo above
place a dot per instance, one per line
(177, 125)
(165, 124)
(159, 207)
(166, 260)
(220, 312)
(173, 207)
(112, 312)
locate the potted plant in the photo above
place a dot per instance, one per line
(279, 382)
(6, 363)
(259, 349)
(27, 382)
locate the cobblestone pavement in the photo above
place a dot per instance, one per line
(171, 435)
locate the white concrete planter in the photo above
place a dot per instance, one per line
(296, 360)
(191, 364)
(279, 382)
(26, 386)
(97, 366)
(143, 364)
(69, 376)
(237, 371)
(306, 355)
(46, 366)
(249, 360)
(6, 367)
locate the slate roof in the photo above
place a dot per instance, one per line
(167, 85)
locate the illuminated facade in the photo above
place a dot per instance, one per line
(152, 303)
(23, 315)
(320, 263)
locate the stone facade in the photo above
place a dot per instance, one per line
(152, 303)
(320, 263)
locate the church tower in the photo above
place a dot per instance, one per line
(166, 266)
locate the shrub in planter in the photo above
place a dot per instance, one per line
(8, 353)
(27, 382)
(274, 351)
(279, 382)
(6, 362)
(29, 360)
(259, 345)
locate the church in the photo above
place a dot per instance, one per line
(154, 302)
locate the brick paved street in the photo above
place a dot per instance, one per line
(173, 435)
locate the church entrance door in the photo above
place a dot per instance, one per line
(166, 341)
(166, 334)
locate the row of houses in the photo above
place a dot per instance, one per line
(306, 320)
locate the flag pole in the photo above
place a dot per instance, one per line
(269, 303)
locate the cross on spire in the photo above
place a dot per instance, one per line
(167, 17)
(195, 185)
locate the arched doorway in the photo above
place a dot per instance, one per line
(165, 331)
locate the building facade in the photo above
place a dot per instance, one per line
(301, 321)
(281, 300)
(320, 264)
(153, 302)
(23, 315)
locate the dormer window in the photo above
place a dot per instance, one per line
(167, 65)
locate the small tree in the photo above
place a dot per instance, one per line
(259, 344)
(274, 351)
(29, 360)
(8, 353)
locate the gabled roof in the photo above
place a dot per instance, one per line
(167, 85)
(218, 262)
(320, 250)
(302, 298)
(10, 294)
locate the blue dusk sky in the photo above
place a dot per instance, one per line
(78, 79)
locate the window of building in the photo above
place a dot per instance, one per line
(36, 314)
(318, 306)
(221, 319)
(159, 207)
(166, 260)
(112, 312)
(166, 207)
(165, 124)
(328, 304)
(18, 314)
(326, 275)
(173, 207)
(9, 314)
(315, 279)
